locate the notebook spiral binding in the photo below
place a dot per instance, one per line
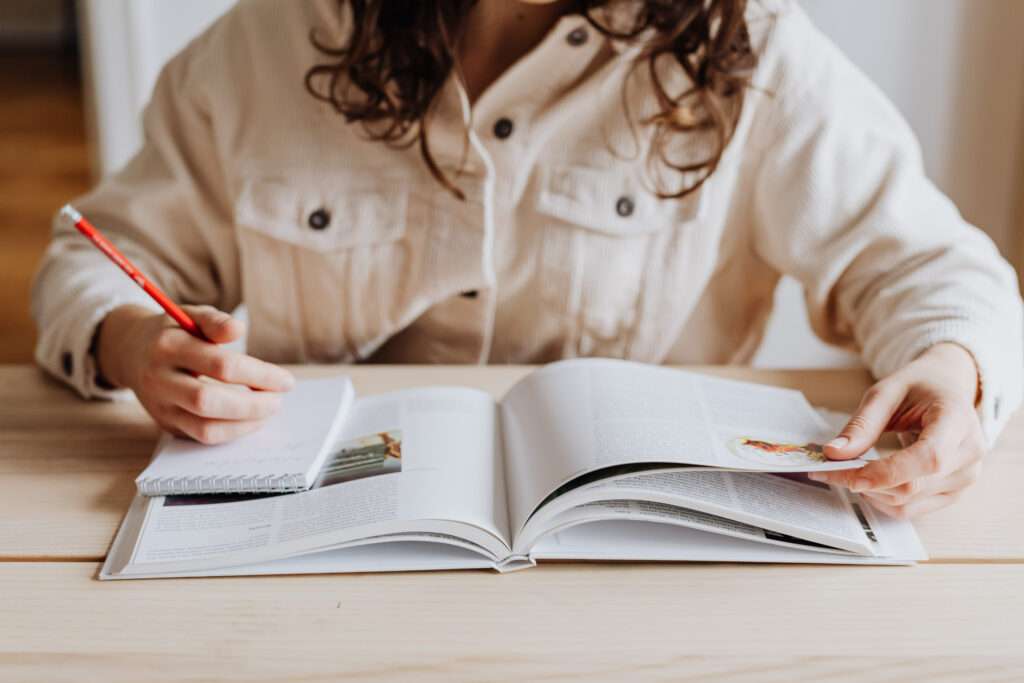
(182, 486)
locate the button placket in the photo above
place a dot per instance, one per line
(548, 68)
(504, 119)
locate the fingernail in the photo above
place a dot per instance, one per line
(814, 476)
(838, 442)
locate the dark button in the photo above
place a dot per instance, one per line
(624, 207)
(503, 128)
(319, 219)
(577, 36)
(470, 294)
(67, 363)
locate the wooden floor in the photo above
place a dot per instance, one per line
(44, 162)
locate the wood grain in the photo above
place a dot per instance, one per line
(560, 622)
(66, 470)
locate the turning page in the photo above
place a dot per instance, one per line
(787, 509)
(578, 417)
(893, 541)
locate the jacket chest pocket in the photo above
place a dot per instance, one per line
(326, 266)
(604, 235)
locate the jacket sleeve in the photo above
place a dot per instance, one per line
(842, 203)
(167, 210)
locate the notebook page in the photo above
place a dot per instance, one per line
(292, 443)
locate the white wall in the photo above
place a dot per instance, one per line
(125, 44)
(955, 68)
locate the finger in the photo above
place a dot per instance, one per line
(916, 508)
(207, 399)
(919, 489)
(207, 431)
(174, 431)
(936, 451)
(218, 326)
(868, 422)
(233, 367)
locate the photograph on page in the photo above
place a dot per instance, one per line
(766, 428)
(365, 456)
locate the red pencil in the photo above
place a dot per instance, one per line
(112, 252)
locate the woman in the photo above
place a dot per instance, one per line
(508, 181)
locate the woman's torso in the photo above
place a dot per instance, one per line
(350, 250)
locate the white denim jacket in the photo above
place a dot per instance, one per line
(248, 190)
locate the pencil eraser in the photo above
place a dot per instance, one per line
(69, 213)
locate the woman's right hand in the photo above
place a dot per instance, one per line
(151, 355)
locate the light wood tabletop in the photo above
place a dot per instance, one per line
(66, 478)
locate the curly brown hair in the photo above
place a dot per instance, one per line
(400, 53)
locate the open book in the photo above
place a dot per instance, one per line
(582, 459)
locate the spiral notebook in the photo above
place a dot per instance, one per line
(285, 454)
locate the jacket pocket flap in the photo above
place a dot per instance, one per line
(324, 217)
(611, 203)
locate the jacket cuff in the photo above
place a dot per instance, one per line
(998, 360)
(65, 351)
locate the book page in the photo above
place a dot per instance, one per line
(452, 455)
(389, 556)
(661, 513)
(625, 540)
(414, 461)
(786, 504)
(576, 417)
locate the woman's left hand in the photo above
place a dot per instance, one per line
(932, 398)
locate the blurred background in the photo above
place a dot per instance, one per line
(74, 76)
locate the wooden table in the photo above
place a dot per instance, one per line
(66, 470)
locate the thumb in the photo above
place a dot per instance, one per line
(867, 424)
(218, 326)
